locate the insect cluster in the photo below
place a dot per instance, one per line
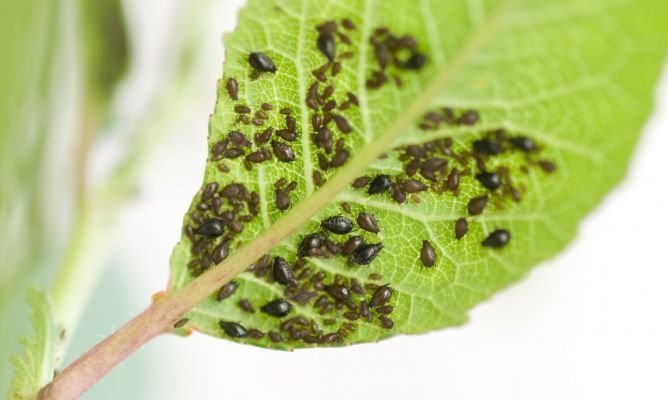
(316, 306)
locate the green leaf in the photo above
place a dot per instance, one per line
(575, 78)
(35, 368)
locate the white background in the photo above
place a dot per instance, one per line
(590, 324)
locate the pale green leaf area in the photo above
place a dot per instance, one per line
(574, 76)
(35, 368)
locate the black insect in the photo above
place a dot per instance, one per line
(365, 254)
(368, 222)
(227, 290)
(416, 61)
(282, 272)
(339, 292)
(283, 152)
(523, 143)
(261, 62)
(327, 45)
(338, 224)
(381, 296)
(497, 239)
(461, 228)
(277, 308)
(232, 329)
(490, 180)
(380, 184)
(352, 244)
(427, 254)
(311, 241)
(477, 205)
(488, 147)
(211, 228)
(283, 201)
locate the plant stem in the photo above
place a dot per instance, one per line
(162, 314)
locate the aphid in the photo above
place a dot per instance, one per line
(282, 272)
(266, 106)
(261, 62)
(398, 194)
(477, 205)
(233, 153)
(212, 227)
(336, 68)
(547, 166)
(386, 322)
(246, 305)
(351, 315)
(453, 179)
(311, 241)
(346, 207)
(329, 106)
(365, 311)
(324, 137)
(356, 287)
(283, 201)
(329, 90)
(381, 296)
(385, 309)
(327, 45)
(361, 182)
(365, 254)
(318, 178)
(275, 337)
(242, 109)
(368, 222)
(209, 190)
(351, 245)
(232, 329)
(342, 124)
(413, 186)
(283, 152)
(258, 156)
(340, 158)
(375, 276)
(496, 239)
(227, 290)
(221, 252)
(490, 180)
(277, 308)
(486, 146)
(256, 334)
(291, 123)
(470, 117)
(416, 61)
(348, 24)
(461, 228)
(220, 147)
(181, 323)
(338, 224)
(339, 292)
(380, 184)
(427, 254)
(287, 134)
(320, 76)
(327, 27)
(232, 87)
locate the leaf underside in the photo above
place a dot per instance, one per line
(574, 79)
